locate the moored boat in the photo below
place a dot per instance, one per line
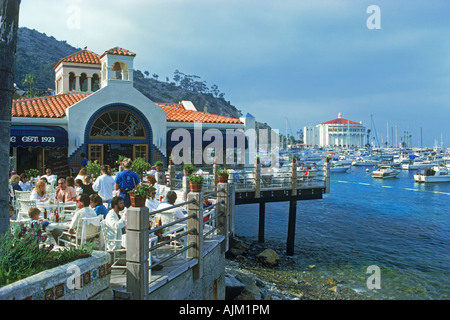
(434, 174)
(385, 172)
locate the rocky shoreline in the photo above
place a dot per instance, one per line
(254, 271)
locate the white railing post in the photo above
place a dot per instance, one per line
(222, 209)
(137, 252)
(196, 222)
(293, 179)
(257, 182)
(171, 170)
(327, 177)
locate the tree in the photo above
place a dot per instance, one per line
(155, 76)
(29, 80)
(9, 23)
(147, 73)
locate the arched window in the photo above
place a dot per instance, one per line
(120, 71)
(71, 81)
(83, 82)
(117, 123)
(95, 83)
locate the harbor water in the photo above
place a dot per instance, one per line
(400, 226)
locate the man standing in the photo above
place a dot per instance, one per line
(64, 192)
(125, 181)
(85, 160)
(104, 185)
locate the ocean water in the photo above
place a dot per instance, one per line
(400, 226)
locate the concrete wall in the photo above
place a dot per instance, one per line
(208, 287)
(83, 279)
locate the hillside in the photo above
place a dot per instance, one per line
(38, 53)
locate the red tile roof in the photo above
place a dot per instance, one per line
(177, 113)
(82, 56)
(340, 121)
(45, 107)
(55, 107)
(118, 51)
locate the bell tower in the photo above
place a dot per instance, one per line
(117, 66)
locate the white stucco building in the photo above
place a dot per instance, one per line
(97, 111)
(336, 132)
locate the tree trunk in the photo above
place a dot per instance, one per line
(9, 23)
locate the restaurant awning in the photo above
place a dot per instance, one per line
(38, 137)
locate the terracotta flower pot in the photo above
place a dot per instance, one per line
(223, 178)
(137, 201)
(195, 186)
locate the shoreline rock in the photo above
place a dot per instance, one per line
(266, 273)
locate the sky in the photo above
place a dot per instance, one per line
(289, 63)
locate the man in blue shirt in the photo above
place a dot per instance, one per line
(85, 160)
(125, 181)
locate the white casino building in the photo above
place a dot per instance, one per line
(338, 132)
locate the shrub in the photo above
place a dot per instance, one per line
(93, 168)
(196, 178)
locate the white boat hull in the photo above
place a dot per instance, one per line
(339, 169)
(420, 178)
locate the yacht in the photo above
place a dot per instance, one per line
(416, 164)
(336, 167)
(385, 172)
(434, 174)
(359, 161)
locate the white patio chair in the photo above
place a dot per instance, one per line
(22, 195)
(79, 238)
(24, 206)
(174, 230)
(113, 247)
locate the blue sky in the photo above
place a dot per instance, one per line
(286, 61)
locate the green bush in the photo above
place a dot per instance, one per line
(140, 166)
(94, 168)
(23, 253)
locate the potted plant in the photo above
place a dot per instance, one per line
(188, 169)
(196, 182)
(257, 160)
(159, 165)
(328, 158)
(140, 166)
(223, 175)
(32, 173)
(171, 161)
(139, 194)
(93, 169)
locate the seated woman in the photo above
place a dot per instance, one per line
(97, 205)
(151, 203)
(15, 179)
(85, 188)
(39, 193)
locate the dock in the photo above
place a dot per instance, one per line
(193, 268)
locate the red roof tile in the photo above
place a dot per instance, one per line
(177, 113)
(55, 107)
(118, 51)
(82, 56)
(340, 121)
(45, 107)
